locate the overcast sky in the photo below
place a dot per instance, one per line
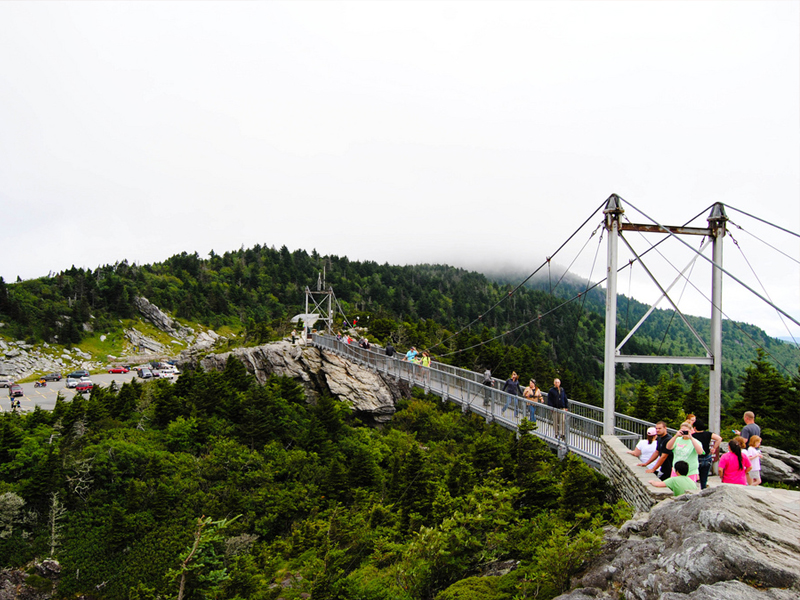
(468, 133)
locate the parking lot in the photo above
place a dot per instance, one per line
(46, 396)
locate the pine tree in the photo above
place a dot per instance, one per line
(536, 472)
(417, 488)
(669, 399)
(696, 399)
(582, 488)
(644, 403)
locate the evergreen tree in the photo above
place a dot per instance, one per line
(696, 399)
(417, 489)
(582, 489)
(669, 399)
(536, 472)
(644, 403)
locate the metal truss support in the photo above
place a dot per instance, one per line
(613, 212)
(716, 231)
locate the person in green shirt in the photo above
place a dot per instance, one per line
(680, 484)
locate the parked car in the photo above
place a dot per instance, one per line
(166, 374)
(73, 381)
(15, 390)
(118, 370)
(84, 386)
(79, 374)
(52, 377)
(5, 382)
(144, 373)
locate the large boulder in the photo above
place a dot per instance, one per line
(371, 394)
(162, 320)
(779, 466)
(154, 314)
(724, 542)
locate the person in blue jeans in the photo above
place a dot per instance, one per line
(532, 395)
(511, 386)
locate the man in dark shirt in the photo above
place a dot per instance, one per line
(511, 386)
(663, 455)
(389, 350)
(557, 398)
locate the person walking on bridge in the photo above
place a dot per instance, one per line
(488, 382)
(511, 386)
(557, 398)
(532, 395)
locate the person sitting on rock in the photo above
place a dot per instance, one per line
(680, 483)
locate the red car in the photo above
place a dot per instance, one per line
(15, 389)
(118, 370)
(84, 386)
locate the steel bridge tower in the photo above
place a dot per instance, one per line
(715, 232)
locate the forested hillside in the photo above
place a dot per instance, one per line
(223, 488)
(253, 292)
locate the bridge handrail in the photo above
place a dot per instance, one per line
(582, 432)
(621, 420)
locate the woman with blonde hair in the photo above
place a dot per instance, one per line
(684, 447)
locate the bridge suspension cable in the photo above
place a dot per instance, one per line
(766, 293)
(699, 253)
(757, 219)
(586, 291)
(720, 267)
(750, 233)
(523, 282)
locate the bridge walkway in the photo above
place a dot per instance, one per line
(583, 424)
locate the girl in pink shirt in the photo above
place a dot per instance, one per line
(734, 465)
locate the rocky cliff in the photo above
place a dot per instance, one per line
(371, 394)
(723, 543)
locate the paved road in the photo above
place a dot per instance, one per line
(46, 396)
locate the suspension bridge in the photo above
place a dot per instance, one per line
(584, 424)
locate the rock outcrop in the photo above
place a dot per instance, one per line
(724, 542)
(779, 466)
(19, 359)
(371, 394)
(39, 581)
(142, 343)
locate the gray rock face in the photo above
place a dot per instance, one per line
(144, 343)
(778, 465)
(370, 393)
(19, 360)
(13, 582)
(154, 314)
(162, 320)
(725, 542)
